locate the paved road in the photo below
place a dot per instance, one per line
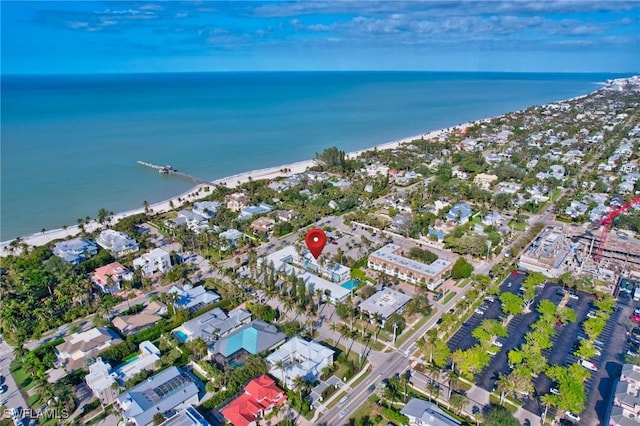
(384, 365)
(11, 398)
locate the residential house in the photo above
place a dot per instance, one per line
(254, 338)
(76, 250)
(191, 220)
(509, 187)
(484, 180)
(459, 213)
(285, 215)
(457, 173)
(151, 314)
(118, 243)
(531, 164)
(627, 397)
(401, 223)
(557, 171)
(343, 184)
(110, 277)
(102, 377)
(212, 325)
(101, 382)
(169, 391)
(186, 417)
(237, 201)
(157, 261)
(385, 303)
(193, 298)
(299, 358)
(426, 413)
(260, 396)
(79, 347)
(206, 209)
(249, 211)
(376, 169)
(576, 209)
(231, 236)
(492, 218)
(389, 260)
(263, 225)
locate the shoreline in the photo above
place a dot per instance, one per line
(198, 191)
(233, 181)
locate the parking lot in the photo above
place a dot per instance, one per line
(462, 339)
(612, 345)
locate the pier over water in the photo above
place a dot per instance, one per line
(169, 170)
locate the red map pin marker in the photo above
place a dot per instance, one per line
(316, 240)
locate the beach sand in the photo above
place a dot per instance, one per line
(198, 192)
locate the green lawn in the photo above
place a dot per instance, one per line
(21, 377)
(517, 226)
(409, 331)
(448, 297)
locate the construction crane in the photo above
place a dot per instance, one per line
(606, 225)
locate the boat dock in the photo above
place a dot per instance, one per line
(169, 170)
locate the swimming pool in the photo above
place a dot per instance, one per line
(351, 284)
(181, 336)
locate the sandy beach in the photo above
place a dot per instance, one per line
(200, 191)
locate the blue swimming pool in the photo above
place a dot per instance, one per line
(181, 336)
(351, 284)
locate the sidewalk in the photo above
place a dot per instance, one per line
(349, 384)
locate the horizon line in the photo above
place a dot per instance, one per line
(15, 74)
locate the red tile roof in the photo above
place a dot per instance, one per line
(260, 394)
(242, 411)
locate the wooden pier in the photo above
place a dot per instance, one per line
(169, 170)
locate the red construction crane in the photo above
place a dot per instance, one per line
(606, 225)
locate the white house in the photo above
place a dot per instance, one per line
(157, 261)
(118, 243)
(169, 391)
(299, 359)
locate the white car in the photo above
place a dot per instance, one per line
(571, 416)
(554, 391)
(342, 413)
(589, 365)
(497, 343)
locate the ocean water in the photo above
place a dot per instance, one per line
(70, 143)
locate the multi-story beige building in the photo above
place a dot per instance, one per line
(389, 260)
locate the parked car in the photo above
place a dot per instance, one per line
(438, 296)
(554, 391)
(589, 365)
(571, 416)
(574, 296)
(592, 314)
(497, 343)
(635, 318)
(479, 311)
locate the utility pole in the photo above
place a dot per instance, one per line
(395, 326)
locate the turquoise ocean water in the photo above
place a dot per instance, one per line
(70, 143)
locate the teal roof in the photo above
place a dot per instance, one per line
(255, 337)
(246, 339)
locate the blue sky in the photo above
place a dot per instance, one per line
(124, 36)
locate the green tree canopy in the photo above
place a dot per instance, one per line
(500, 416)
(461, 269)
(511, 303)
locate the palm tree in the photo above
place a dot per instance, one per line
(298, 385)
(458, 401)
(547, 400)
